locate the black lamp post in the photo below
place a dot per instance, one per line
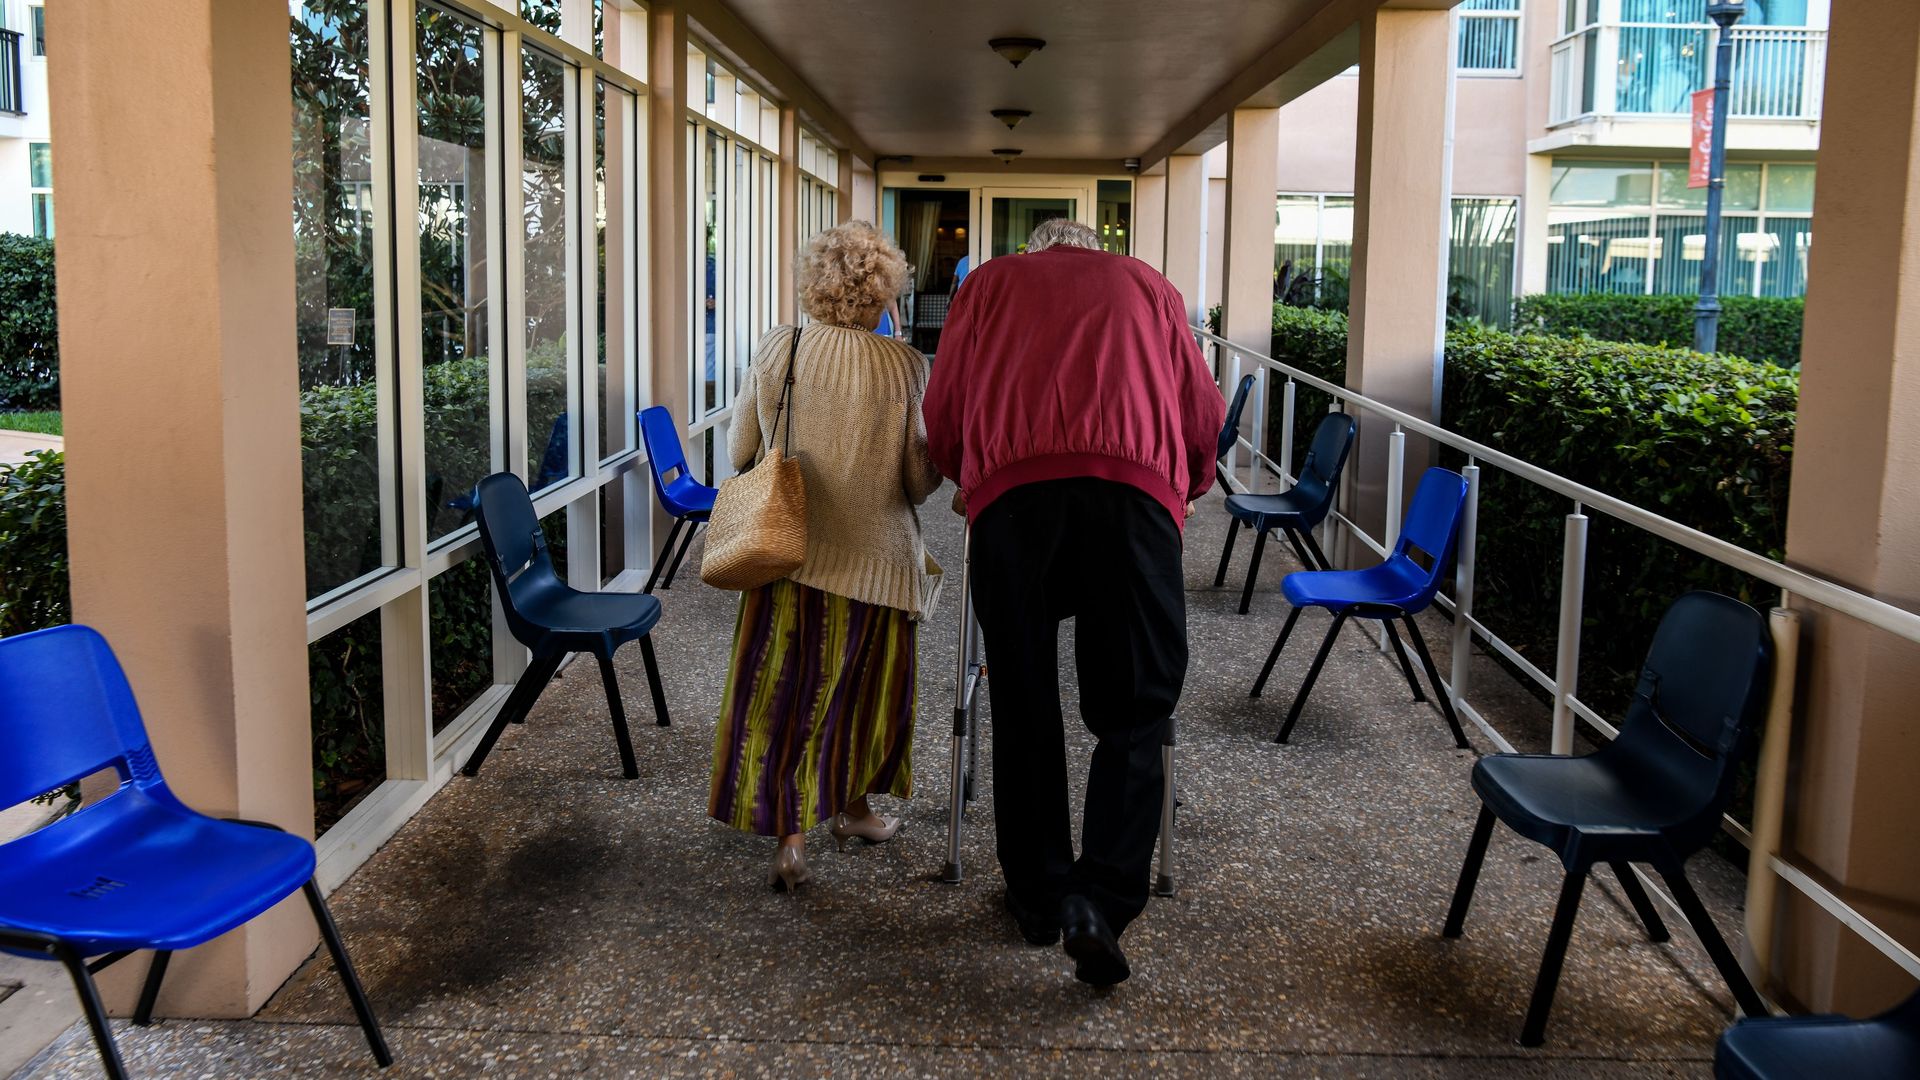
(1706, 312)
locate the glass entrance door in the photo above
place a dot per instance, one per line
(1011, 215)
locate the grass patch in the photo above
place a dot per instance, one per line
(43, 423)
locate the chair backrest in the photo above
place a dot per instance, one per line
(665, 455)
(1432, 523)
(515, 548)
(1702, 695)
(66, 712)
(1230, 431)
(1319, 474)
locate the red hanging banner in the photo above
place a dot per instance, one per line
(1700, 155)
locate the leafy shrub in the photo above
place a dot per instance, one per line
(29, 333)
(33, 543)
(1758, 328)
(1704, 440)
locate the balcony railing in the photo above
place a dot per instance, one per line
(1651, 69)
(11, 100)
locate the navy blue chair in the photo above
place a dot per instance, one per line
(1297, 511)
(1886, 1047)
(137, 870)
(1399, 588)
(686, 500)
(1654, 794)
(1230, 430)
(551, 619)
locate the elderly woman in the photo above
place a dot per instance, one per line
(819, 704)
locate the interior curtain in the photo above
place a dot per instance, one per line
(922, 219)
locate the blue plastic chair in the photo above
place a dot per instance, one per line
(1886, 1047)
(1230, 430)
(139, 869)
(686, 500)
(1398, 588)
(1654, 794)
(552, 619)
(1297, 511)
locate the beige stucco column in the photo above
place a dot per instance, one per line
(1535, 223)
(859, 194)
(181, 399)
(1402, 184)
(1150, 219)
(1186, 249)
(1855, 517)
(1253, 154)
(668, 204)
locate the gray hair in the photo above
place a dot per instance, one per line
(1062, 232)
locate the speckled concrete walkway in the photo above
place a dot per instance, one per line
(549, 918)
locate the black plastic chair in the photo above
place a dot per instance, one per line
(1653, 795)
(1295, 511)
(1230, 430)
(552, 619)
(1886, 1047)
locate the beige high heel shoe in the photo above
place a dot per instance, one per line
(873, 828)
(789, 869)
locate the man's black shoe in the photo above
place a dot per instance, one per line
(1096, 953)
(1037, 929)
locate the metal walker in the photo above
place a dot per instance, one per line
(970, 675)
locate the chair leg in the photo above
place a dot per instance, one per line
(1469, 873)
(666, 551)
(1749, 999)
(1279, 643)
(150, 992)
(1226, 553)
(1534, 1031)
(1313, 545)
(1406, 666)
(1319, 659)
(653, 683)
(356, 993)
(1306, 560)
(692, 528)
(110, 1060)
(1642, 904)
(1433, 676)
(518, 703)
(1253, 571)
(619, 712)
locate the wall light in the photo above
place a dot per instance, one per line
(1011, 117)
(1016, 49)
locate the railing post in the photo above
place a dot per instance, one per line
(1337, 539)
(1770, 796)
(1396, 495)
(1286, 431)
(1258, 440)
(1232, 386)
(1566, 668)
(1463, 582)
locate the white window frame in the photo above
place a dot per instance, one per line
(1515, 16)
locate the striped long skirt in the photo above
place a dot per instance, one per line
(818, 709)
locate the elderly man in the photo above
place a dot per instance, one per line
(1074, 410)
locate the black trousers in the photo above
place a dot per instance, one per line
(1108, 556)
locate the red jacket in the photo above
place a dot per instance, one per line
(1070, 362)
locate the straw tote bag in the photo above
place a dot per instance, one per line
(758, 531)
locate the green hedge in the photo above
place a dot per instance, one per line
(29, 335)
(33, 543)
(1756, 327)
(1704, 440)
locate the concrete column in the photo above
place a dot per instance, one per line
(859, 194)
(1150, 220)
(1534, 224)
(1855, 517)
(1253, 154)
(1402, 182)
(181, 398)
(668, 204)
(1186, 249)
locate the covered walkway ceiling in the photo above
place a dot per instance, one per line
(1118, 79)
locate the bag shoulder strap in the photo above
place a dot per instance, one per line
(786, 389)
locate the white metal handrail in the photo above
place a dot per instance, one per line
(1562, 684)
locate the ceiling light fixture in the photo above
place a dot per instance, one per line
(1007, 154)
(1011, 117)
(1016, 49)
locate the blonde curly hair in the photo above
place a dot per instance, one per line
(848, 273)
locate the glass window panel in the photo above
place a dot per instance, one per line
(1489, 35)
(37, 15)
(1661, 67)
(1742, 190)
(554, 525)
(1663, 11)
(43, 215)
(615, 115)
(1790, 187)
(1336, 238)
(547, 90)
(1480, 260)
(348, 708)
(1589, 253)
(740, 259)
(456, 278)
(1114, 209)
(1783, 257)
(1601, 183)
(335, 321)
(544, 14)
(1776, 13)
(1679, 249)
(1296, 234)
(712, 161)
(460, 614)
(600, 28)
(40, 155)
(613, 531)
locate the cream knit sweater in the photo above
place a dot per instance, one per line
(862, 446)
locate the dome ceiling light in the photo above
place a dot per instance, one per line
(1011, 117)
(1007, 154)
(1016, 49)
